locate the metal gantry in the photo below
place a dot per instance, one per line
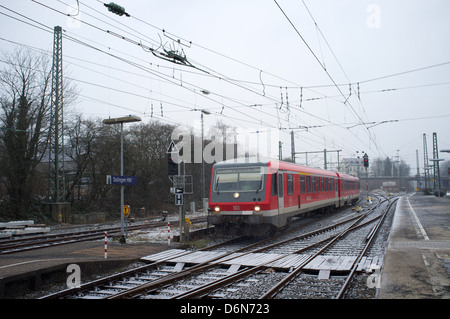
(56, 136)
(425, 161)
(436, 173)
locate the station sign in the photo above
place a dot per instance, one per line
(121, 180)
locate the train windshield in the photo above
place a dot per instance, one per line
(248, 179)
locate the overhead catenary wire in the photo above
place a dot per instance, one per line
(81, 42)
(124, 38)
(346, 102)
(254, 110)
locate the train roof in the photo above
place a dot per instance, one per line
(277, 164)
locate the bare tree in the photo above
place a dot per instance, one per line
(25, 106)
(25, 85)
(81, 135)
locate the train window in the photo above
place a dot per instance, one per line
(302, 184)
(322, 184)
(290, 184)
(280, 185)
(274, 184)
(313, 184)
(326, 184)
(239, 179)
(308, 184)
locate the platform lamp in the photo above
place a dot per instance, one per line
(121, 120)
(206, 112)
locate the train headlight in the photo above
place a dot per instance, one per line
(236, 195)
(217, 209)
(257, 208)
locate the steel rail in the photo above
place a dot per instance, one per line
(154, 284)
(247, 271)
(132, 292)
(373, 233)
(90, 285)
(209, 264)
(25, 244)
(333, 239)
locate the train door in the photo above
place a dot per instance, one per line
(280, 194)
(338, 190)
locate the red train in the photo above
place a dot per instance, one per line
(258, 197)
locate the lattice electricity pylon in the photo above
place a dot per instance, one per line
(425, 161)
(437, 175)
(56, 185)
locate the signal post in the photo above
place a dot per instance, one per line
(366, 166)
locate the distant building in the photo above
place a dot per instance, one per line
(351, 166)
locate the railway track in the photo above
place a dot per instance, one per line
(250, 270)
(35, 242)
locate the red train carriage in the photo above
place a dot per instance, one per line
(257, 197)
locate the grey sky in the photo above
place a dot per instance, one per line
(256, 59)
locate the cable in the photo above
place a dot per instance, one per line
(323, 67)
(131, 41)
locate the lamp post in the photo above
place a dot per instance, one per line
(121, 120)
(206, 112)
(203, 160)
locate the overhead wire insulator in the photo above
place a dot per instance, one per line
(115, 8)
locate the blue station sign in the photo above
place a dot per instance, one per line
(121, 180)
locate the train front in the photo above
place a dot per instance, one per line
(239, 198)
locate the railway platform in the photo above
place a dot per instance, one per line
(33, 270)
(417, 260)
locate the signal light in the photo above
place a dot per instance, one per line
(172, 167)
(115, 8)
(366, 160)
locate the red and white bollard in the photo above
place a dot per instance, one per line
(106, 245)
(168, 232)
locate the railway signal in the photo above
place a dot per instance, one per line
(366, 160)
(366, 165)
(172, 167)
(172, 154)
